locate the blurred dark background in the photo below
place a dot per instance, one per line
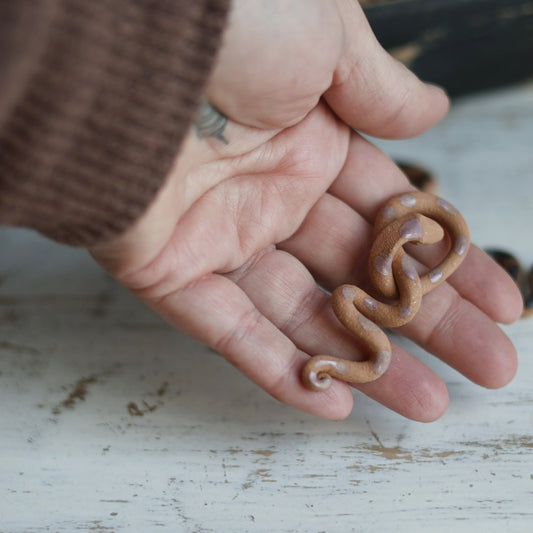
(463, 45)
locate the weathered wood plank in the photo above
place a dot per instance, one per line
(110, 421)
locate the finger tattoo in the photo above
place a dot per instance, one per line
(210, 122)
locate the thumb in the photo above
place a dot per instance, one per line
(376, 94)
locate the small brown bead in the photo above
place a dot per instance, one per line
(421, 178)
(528, 296)
(528, 305)
(508, 262)
(525, 283)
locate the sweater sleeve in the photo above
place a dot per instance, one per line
(95, 98)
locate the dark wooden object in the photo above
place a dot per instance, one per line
(462, 45)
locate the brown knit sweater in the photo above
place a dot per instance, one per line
(95, 97)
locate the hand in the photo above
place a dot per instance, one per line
(282, 196)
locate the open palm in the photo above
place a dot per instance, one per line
(254, 223)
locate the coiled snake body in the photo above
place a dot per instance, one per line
(415, 217)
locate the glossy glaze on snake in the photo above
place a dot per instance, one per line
(415, 217)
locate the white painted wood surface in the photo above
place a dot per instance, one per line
(99, 431)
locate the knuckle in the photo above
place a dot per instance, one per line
(445, 322)
(244, 326)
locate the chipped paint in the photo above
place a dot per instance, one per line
(78, 393)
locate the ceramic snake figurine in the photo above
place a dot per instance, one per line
(416, 217)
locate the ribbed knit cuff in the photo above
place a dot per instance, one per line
(98, 123)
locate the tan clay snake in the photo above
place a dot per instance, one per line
(415, 217)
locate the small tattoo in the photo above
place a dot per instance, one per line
(210, 123)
